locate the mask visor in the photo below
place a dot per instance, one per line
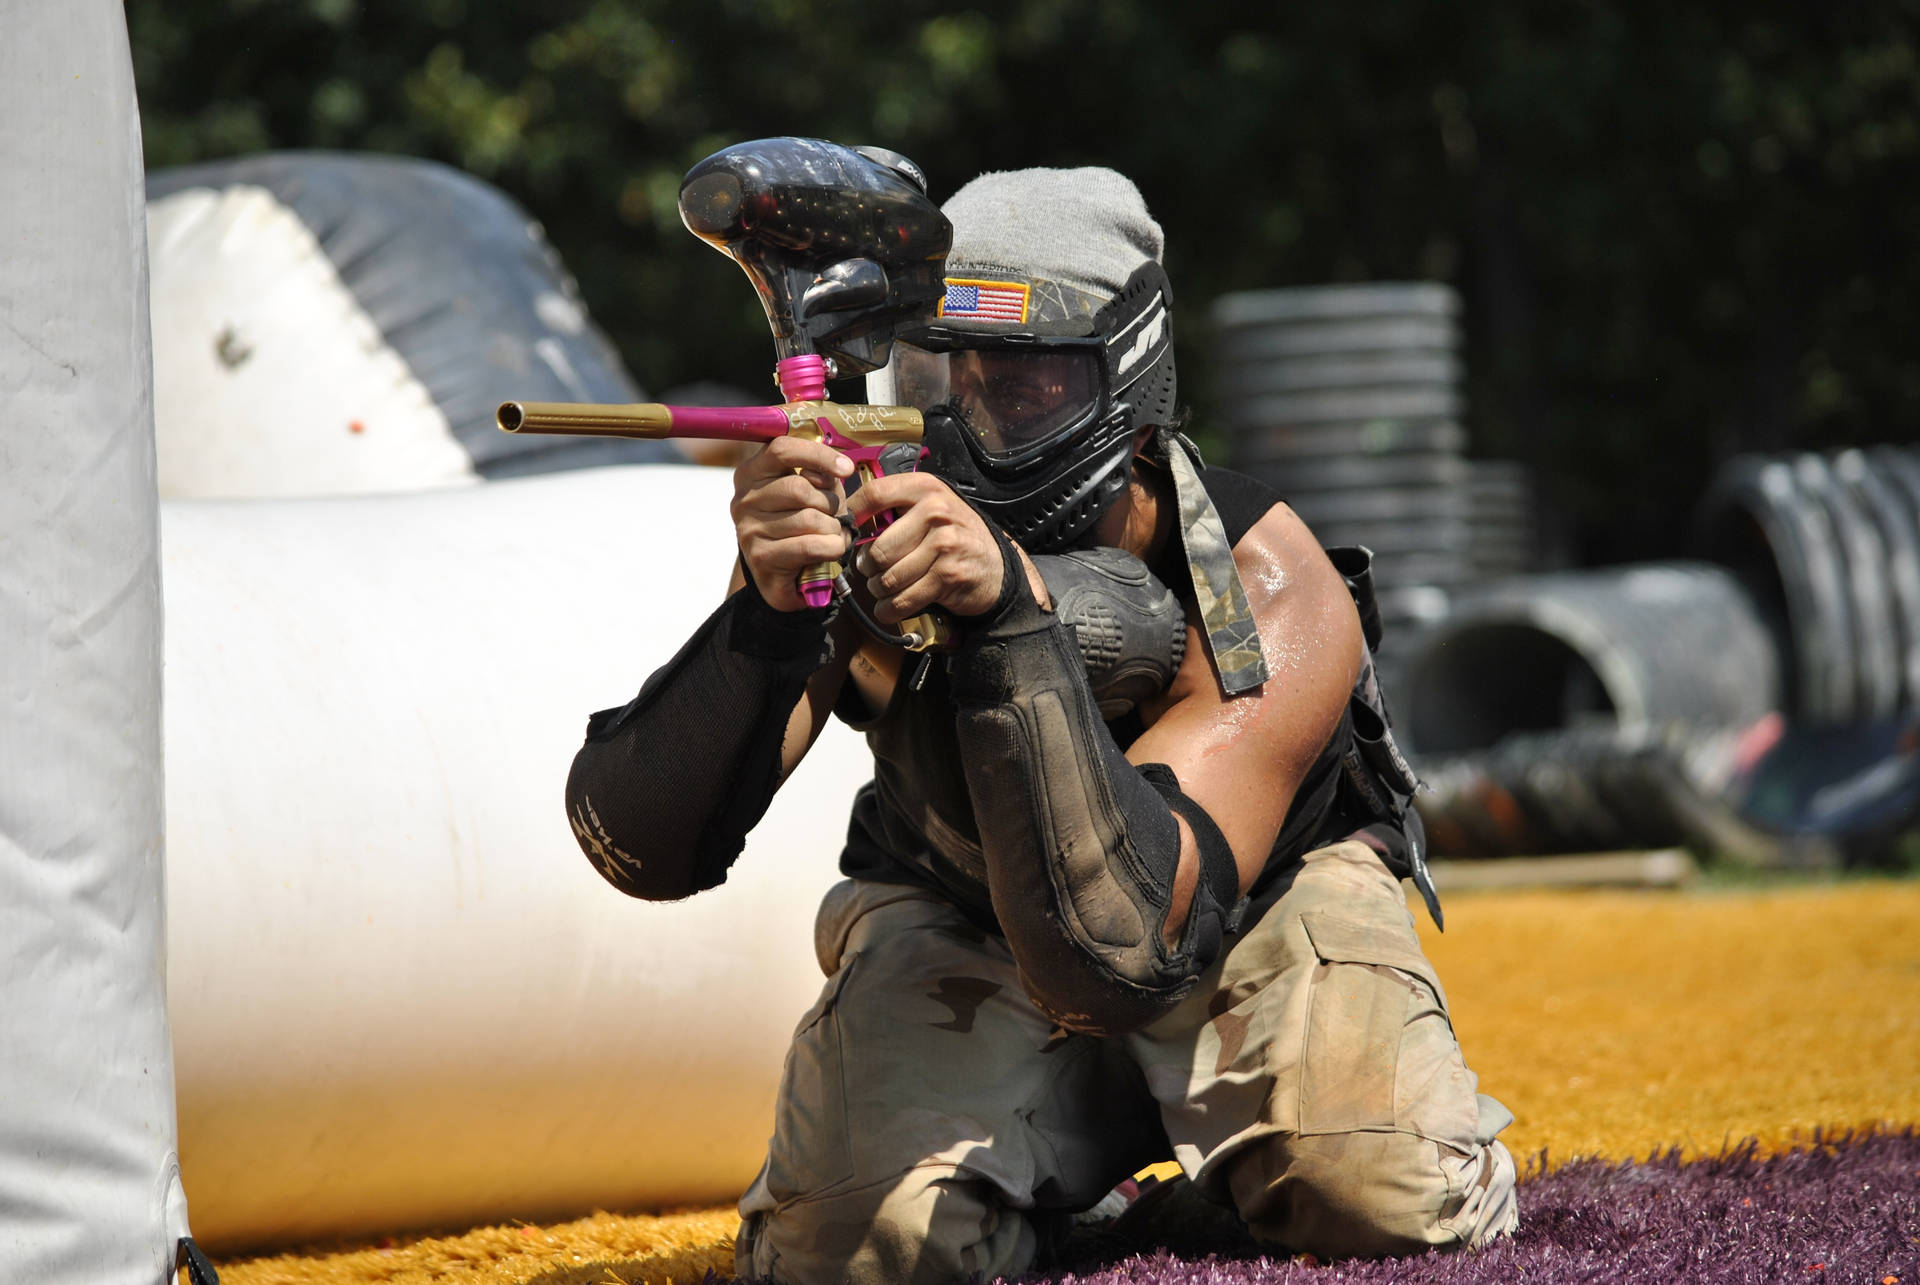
(1014, 400)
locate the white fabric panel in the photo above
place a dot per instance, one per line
(89, 1189)
(269, 377)
(401, 995)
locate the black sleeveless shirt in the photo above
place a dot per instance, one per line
(914, 823)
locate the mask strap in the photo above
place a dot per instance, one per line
(1233, 640)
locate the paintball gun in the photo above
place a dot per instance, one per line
(845, 249)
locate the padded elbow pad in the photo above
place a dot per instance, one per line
(1131, 630)
(1081, 846)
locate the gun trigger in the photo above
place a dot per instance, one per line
(918, 678)
(900, 457)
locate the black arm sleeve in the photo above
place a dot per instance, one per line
(664, 791)
(1081, 846)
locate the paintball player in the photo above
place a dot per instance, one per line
(1126, 883)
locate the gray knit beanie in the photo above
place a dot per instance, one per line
(1044, 250)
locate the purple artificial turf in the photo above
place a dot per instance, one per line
(1845, 1210)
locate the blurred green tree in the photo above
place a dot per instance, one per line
(1681, 230)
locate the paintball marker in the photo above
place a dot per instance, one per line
(845, 249)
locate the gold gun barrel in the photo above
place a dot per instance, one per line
(652, 420)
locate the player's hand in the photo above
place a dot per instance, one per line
(937, 551)
(783, 520)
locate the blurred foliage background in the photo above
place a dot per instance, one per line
(1681, 229)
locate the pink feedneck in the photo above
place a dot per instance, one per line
(802, 378)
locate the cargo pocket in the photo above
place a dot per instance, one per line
(811, 1151)
(1373, 995)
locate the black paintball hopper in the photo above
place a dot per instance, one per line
(842, 244)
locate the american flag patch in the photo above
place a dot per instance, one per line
(985, 300)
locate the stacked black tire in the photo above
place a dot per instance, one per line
(1829, 547)
(1347, 399)
(1586, 710)
(1763, 702)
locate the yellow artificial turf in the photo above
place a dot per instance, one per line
(1613, 1024)
(1617, 1023)
(606, 1249)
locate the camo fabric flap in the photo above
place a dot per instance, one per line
(1233, 640)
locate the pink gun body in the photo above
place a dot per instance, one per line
(859, 432)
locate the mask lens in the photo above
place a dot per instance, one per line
(1012, 399)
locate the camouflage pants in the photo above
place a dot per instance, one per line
(932, 1125)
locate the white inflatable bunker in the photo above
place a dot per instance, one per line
(400, 995)
(89, 1190)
